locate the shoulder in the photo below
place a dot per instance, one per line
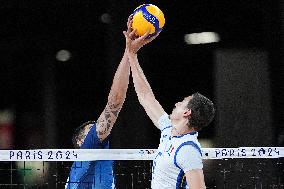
(189, 150)
(189, 145)
(188, 156)
(92, 140)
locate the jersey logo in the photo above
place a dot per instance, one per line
(170, 149)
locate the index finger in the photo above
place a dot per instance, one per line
(129, 28)
(152, 38)
(129, 18)
(129, 23)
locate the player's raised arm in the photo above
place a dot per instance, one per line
(116, 97)
(143, 89)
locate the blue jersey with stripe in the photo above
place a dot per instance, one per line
(91, 174)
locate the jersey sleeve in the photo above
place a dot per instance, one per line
(92, 141)
(189, 158)
(164, 121)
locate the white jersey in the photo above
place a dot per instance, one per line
(175, 156)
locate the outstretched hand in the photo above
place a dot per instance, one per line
(133, 42)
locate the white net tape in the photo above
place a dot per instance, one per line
(132, 154)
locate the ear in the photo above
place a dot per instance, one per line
(80, 142)
(187, 113)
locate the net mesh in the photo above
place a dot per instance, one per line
(224, 173)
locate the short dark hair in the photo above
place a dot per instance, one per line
(79, 133)
(202, 111)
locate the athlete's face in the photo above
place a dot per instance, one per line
(181, 110)
(85, 132)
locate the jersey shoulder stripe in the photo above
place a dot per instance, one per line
(183, 144)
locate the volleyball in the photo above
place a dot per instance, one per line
(147, 17)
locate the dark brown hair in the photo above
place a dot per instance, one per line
(202, 111)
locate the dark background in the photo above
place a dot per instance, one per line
(49, 98)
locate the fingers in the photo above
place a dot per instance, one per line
(129, 28)
(143, 37)
(146, 40)
(152, 38)
(129, 24)
(129, 18)
(132, 34)
(156, 35)
(125, 34)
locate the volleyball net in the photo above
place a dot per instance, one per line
(244, 167)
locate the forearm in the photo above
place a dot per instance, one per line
(142, 87)
(120, 82)
(144, 92)
(116, 99)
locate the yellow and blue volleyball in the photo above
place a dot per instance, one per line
(147, 17)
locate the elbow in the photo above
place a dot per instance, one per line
(116, 99)
(117, 95)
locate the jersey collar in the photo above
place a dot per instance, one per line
(190, 133)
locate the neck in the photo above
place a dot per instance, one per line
(180, 127)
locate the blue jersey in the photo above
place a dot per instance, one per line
(91, 174)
